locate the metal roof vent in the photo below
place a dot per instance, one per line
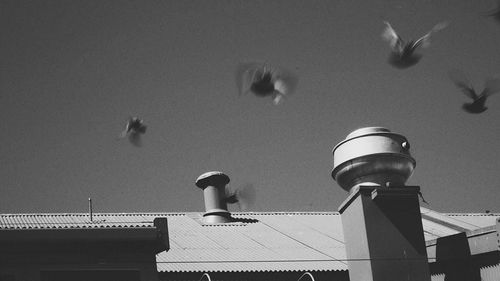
(372, 156)
(373, 164)
(213, 185)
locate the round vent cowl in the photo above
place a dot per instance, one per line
(372, 156)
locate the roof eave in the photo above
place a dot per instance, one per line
(480, 241)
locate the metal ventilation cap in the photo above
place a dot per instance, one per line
(372, 156)
(211, 179)
(366, 131)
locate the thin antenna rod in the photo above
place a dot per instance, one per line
(90, 209)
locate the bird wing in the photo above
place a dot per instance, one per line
(142, 129)
(123, 134)
(462, 82)
(231, 196)
(289, 81)
(127, 128)
(245, 75)
(425, 40)
(389, 34)
(246, 195)
(135, 139)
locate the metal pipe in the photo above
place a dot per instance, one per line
(214, 192)
(90, 209)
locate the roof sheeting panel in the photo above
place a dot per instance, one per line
(326, 223)
(54, 221)
(435, 230)
(247, 245)
(451, 222)
(307, 236)
(438, 277)
(490, 273)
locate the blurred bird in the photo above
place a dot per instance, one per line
(403, 53)
(243, 196)
(495, 13)
(264, 80)
(133, 130)
(477, 105)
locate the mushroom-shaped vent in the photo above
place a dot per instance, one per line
(372, 156)
(214, 178)
(213, 185)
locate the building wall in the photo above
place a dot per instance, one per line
(60, 261)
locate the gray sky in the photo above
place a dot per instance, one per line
(72, 72)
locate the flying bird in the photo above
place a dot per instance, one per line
(133, 130)
(477, 105)
(403, 53)
(264, 80)
(243, 196)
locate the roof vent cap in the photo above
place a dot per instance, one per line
(211, 179)
(372, 156)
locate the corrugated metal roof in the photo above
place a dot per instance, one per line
(274, 242)
(490, 273)
(455, 224)
(75, 220)
(264, 241)
(438, 277)
(438, 224)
